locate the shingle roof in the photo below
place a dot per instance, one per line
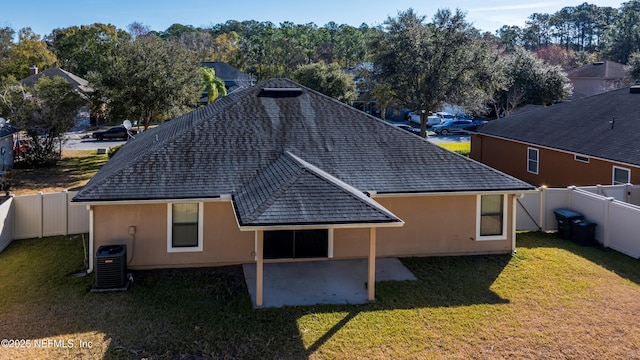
(292, 191)
(581, 126)
(76, 82)
(7, 129)
(602, 70)
(216, 149)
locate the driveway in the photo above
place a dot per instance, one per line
(321, 282)
(78, 140)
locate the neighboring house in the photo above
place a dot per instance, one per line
(588, 141)
(233, 78)
(279, 172)
(597, 78)
(79, 85)
(7, 144)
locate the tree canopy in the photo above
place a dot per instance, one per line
(328, 79)
(148, 80)
(213, 85)
(418, 64)
(429, 64)
(45, 112)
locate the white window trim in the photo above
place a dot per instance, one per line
(576, 156)
(502, 236)
(613, 174)
(170, 247)
(537, 160)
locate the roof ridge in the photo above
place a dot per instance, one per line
(346, 188)
(276, 194)
(192, 116)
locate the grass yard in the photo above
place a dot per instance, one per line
(463, 148)
(553, 300)
(73, 171)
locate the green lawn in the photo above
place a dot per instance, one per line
(463, 148)
(552, 300)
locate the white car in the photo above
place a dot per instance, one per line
(431, 119)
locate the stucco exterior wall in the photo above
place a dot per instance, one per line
(438, 225)
(223, 243)
(434, 225)
(555, 168)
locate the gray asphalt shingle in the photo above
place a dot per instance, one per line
(581, 126)
(292, 191)
(214, 150)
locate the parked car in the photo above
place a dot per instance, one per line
(431, 119)
(444, 116)
(408, 128)
(457, 126)
(116, 132)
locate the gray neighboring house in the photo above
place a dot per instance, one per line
(278, 172)
(79, 85)
(597, 78)
(7, 144)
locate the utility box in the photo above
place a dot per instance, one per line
(583, 232)
(565, 218)
(111, 267)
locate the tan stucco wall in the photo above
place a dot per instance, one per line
(556, 169)
(223, 243)
(434, 225)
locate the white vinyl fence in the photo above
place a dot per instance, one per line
(6, 222)
(615, 210)
(31, 216)
(610, 207)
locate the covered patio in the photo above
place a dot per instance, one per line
(321, 282)
(293, 197)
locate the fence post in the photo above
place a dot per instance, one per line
(543, 211)
(572, 190)
(66, 209)
(607, 211)
(12, 211)
(627, 192)
(41, 198)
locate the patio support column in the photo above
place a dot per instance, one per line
(371, 283)
(259, 266)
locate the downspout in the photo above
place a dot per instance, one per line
(90, 269)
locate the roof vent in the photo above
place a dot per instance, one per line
(280, 92)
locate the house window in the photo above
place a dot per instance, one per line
(491, 223)
(532, 160)
(584, 159)
(184, 227)
(621, 175)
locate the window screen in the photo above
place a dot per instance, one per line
(491, 215)
(185, 225)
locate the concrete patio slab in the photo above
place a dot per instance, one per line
(321, 282)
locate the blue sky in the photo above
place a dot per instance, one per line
(45, 15)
